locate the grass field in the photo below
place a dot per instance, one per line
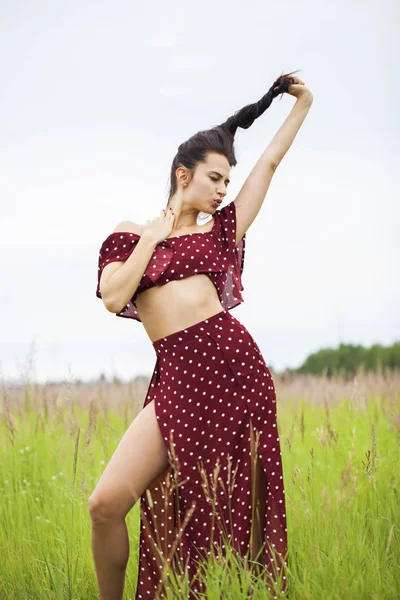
(341, 460)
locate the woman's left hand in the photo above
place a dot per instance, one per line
(298, 88)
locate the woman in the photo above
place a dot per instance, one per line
(203, 455)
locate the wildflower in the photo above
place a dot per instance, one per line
(26, 447)
(54, 476)
(37, 499)
(38, 518)
(102, 462)
(21, 451)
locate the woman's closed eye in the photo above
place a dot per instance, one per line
(217, 179)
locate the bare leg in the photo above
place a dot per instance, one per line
(139, 458)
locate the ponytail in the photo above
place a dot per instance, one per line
(220, 139)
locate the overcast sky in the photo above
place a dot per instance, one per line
(96, 97)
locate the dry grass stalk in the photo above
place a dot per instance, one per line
(76, 449)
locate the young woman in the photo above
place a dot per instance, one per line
(208, 422)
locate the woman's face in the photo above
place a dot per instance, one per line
(209, 183)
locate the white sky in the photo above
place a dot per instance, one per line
(96, 97)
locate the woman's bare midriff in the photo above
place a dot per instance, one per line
(177, 304)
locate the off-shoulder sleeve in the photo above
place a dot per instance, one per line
(230, 285)
(117, 246)
(227, 223)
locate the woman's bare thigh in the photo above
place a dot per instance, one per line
(140, 457)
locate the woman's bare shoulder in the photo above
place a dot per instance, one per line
(129, 226)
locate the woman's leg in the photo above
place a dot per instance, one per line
(139, 458)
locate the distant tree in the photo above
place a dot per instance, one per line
(348, 358)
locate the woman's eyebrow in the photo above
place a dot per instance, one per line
(228, 180)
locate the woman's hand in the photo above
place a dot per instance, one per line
(160, 227)
(297, 88)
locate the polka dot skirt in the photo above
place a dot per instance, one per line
(209, 381)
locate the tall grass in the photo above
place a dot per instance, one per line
(340, 452)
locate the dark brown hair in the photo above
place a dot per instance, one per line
(220, 139)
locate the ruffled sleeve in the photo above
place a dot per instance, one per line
(231, 285)
(227, 221)
(118, 246)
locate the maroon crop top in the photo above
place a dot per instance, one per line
(212, 252)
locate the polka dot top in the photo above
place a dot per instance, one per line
(213, 253)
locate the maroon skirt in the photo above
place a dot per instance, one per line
(224, 482)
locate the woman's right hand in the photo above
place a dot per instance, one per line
(160, 227)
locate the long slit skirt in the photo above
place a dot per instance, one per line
(215, 405)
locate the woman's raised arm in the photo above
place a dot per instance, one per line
(252, 193)
(285, 135)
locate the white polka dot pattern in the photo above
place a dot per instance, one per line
(208, 381)
(213, 253)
